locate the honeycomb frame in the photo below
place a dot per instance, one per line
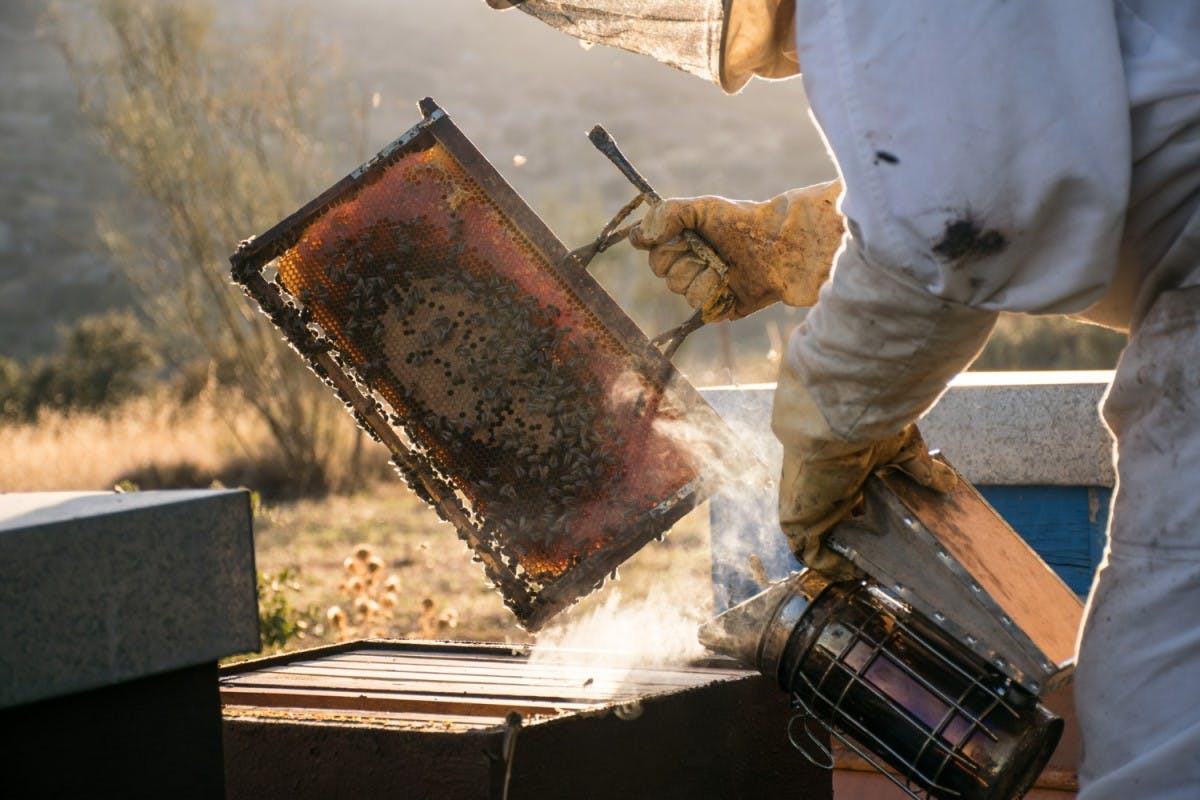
(515, 396)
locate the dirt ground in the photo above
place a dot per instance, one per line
(438, 592)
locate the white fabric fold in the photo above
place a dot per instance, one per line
(877, 352)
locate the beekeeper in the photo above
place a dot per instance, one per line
(993, 156)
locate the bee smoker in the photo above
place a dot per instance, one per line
(932, 667)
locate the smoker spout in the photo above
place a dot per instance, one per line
(737, 632)
(755, 631)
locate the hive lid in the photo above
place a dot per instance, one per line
(104, 588)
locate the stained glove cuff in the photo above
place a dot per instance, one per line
(877, 352)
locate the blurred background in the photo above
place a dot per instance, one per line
(142, 139)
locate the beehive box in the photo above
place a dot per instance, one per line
(433, 720)
(117, 608)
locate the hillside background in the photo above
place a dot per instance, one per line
(514, 86)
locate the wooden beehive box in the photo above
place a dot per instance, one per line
(432, 720)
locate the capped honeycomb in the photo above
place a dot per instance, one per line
(515, 406)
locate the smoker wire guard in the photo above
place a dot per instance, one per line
(1023, 723)
(531, 607)
(907, 536)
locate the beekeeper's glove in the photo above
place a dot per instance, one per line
(873, 355)
(823, 474)
(778, 250)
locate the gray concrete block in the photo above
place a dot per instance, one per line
(997, 428)
(1025, 428)
(99, 588)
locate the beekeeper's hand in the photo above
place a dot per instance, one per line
(823, 475)
(778, 250)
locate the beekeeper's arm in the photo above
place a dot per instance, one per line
(985, 153)
(984, 148)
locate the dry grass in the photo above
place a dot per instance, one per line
(313, 537)
(157, 442)
(76, 451)
(430, 563)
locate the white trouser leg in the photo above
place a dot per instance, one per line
(1137, 687)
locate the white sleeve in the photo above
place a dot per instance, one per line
(984, 148)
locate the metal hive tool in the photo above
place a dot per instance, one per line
(515, 396)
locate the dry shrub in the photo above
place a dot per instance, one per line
(749, 351)
(1025, 342)
(211, 157)
(371, 597)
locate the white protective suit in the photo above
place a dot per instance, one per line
(1036, 157)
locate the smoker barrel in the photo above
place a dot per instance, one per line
(861, 663)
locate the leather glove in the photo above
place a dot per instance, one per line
(778, 250)
(823, 474)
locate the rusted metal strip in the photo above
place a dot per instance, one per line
(396, 701)
(575, 677)
(593, 693)
(374, 719)
(1054, 778)
(600, 663)
(384, 648)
